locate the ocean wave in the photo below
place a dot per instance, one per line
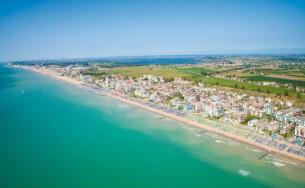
(219, 141)
(232, 143)
(285, 161)
(278, 164)
(243, 172)
(256, 150)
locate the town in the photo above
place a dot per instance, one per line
(276, 123)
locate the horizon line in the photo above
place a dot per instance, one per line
(245, 53)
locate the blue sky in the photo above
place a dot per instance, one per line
(71, 29)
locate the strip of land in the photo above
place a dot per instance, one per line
(124, 99)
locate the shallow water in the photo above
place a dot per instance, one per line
(53, 134)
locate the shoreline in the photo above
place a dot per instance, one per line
(185, 121)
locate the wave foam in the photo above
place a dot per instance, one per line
(243, 172)
(219, 141)
(256, 150)
(278, 164)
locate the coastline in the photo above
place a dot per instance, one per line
(175, 117)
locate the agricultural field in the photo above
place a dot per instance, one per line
(238, 74)
(298, 83)
(284, 72)
(95, 72)
(281, 74)
(138, 71)
(199, 71)
(288, 77)
(245, 86)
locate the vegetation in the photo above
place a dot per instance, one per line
(94, 72)
(139, 71)
(196, 71)
(177, 95)
(248, 118)
(169, 79)
(299, 83)
(244, 86)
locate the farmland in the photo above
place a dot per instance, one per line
(245, 86)
(199, 71)
(299, 83)
(138, 71)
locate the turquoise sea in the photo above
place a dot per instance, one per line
(53, 134)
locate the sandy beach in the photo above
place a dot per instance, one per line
(178, 118)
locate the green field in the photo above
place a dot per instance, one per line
(195, 70)
(245, 86)
(289, 72)
(165, 72)
(299, 83)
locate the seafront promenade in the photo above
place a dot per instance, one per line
(261, 142)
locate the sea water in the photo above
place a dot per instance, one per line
(54, 134)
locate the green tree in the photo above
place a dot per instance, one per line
(168, 79)
(286, 93)
(203, 73)
(180, 108)
(299, 96)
